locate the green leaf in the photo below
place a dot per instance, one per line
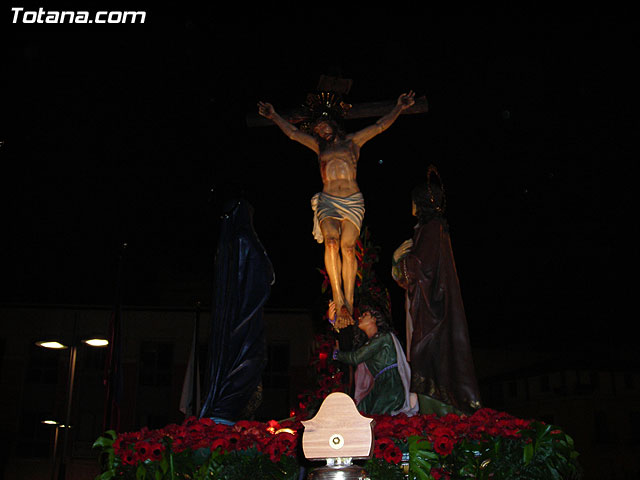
(569, 440)
(106, 440)
(109, 474)
(419, 454)
(554, 473)
(103, 442)
(542, 436)
(542, 431)
(141, 472)
(422, 475)
(528, 453)
(202, 471)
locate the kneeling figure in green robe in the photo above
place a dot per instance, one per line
(382, 377)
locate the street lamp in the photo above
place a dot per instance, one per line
(96, 342)
(93, 341)
(52, 344)
(58, 426)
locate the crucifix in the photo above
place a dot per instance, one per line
(339, 207)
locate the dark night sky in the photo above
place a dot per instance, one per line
(135, 133)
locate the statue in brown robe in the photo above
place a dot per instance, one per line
(438, 346)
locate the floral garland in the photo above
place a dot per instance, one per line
(200, 448)
(487, 444)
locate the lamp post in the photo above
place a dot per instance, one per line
(56, 433)
(94, 341)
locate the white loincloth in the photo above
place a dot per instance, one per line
(342, 208)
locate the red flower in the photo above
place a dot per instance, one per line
(408, 432)
(521, 424)
(439, 474)
(144, 450)
(219, 429)
(242, 425)
(130, 457)
(178, 445)
(274, 450)
(156, 451)
(220, 443)
(450, 419)
(275, 446)
(190, 420)
(392, 454)
(444, 440)
(382, 445)
(118, 447)
(207, 422)
(384, 428)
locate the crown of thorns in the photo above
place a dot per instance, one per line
(324, 106)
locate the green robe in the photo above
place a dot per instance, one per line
(387, 394)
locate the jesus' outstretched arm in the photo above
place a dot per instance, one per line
(406, 100)
(266, 110)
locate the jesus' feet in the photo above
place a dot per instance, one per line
(344, 318)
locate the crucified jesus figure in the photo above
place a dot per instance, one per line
(339, 208)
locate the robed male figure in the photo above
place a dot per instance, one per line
(438, 344)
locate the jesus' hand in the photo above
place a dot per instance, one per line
(266, 110)
(406, 100)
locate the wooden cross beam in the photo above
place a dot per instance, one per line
(358, 110)
(340, 86)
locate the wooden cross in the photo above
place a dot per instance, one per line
(340, 86)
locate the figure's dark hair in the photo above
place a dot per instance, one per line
(382, 322)
(429, 198)
(337, 129)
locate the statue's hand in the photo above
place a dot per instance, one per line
(331, 312)
(266, 110)
(402, 250)
(406, 100)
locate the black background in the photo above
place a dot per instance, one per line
(134, 134)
